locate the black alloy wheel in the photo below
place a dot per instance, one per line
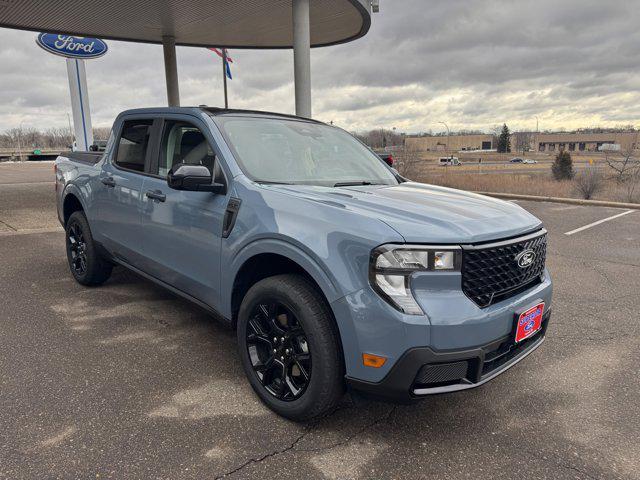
(87, 266)
(278, 350)
(78, 249)
(284, 326)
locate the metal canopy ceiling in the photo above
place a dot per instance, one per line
(221, 23)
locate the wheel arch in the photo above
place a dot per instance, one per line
(282, 252)
(71, 203)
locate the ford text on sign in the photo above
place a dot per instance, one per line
(70, 46)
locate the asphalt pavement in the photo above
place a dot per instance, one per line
(128, 381)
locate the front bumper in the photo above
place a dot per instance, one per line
(424, 371)
(452, 323)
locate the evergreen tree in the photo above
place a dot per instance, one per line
(562, 167)
(504, 140)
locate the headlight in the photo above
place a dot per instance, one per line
(392, 266)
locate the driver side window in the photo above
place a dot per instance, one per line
(183, 142)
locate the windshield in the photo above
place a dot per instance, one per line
(278, 150)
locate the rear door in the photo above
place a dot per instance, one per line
(118, 199)
(183, 230)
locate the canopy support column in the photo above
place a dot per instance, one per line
(171, 70)
(302, 57)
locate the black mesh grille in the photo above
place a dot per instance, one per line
(441, 373)
(492, 274)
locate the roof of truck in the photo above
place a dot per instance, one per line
(231, 111)
(214, 111)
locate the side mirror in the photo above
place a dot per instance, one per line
(193, 178)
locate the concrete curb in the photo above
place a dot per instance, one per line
(572, 201)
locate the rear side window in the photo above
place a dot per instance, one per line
(133, 144)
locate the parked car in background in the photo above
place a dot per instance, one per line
(98, 146)
(334, 271)
(523, 160)
(529, 161)
(449, 161)
(386, 158)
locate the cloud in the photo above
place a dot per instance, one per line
(470, 63)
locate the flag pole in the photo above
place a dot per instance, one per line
(224, 76)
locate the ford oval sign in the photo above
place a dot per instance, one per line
(525, 259)
(72, 47)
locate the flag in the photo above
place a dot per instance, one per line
(224, 55)
(228, 68)
(221, 55)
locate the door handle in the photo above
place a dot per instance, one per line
(156, 195)
(108, 181)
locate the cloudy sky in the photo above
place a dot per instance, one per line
(471, 63)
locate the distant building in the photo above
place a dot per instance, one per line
(451, 143)
(537, 142)
(584, 142)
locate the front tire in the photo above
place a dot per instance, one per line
(85, 262)
(289, 347)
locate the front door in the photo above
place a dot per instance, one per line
(119, 192)
(183, 230)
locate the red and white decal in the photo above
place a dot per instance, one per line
(529, 322)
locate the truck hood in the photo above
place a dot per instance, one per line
(426, 213)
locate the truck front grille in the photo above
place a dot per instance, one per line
(491, 273)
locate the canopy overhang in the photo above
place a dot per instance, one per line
(297, 24)
(210, 23)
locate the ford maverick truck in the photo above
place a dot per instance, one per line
(337, 273)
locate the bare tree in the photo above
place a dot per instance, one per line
(101, 133)
(522, 141)
(10, 138)
(626, 169)
(380, 138)
(52, 138)
(408, 161)
(624, 163)
(30, 138)
(589, 182)
(632, 187)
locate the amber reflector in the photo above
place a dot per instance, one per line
(375, 361)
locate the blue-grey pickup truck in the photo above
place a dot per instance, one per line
(336, 272)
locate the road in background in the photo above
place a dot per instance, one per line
(128, 381)
(26, 172)
(501, 168)
(27, 197)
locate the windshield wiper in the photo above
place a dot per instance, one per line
(354, 184)
(269, 182)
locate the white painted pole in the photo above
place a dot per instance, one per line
(20, 143)
(171, 71)
(302, 57)
(80, 103)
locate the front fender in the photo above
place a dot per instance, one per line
(286, 248)
(331, 243)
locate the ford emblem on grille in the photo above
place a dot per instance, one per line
(525, 259)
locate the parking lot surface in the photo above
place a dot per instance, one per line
(128, 381)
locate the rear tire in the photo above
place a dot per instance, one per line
(290, 348)
(85, 262)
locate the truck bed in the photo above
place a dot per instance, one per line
(89, 158)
